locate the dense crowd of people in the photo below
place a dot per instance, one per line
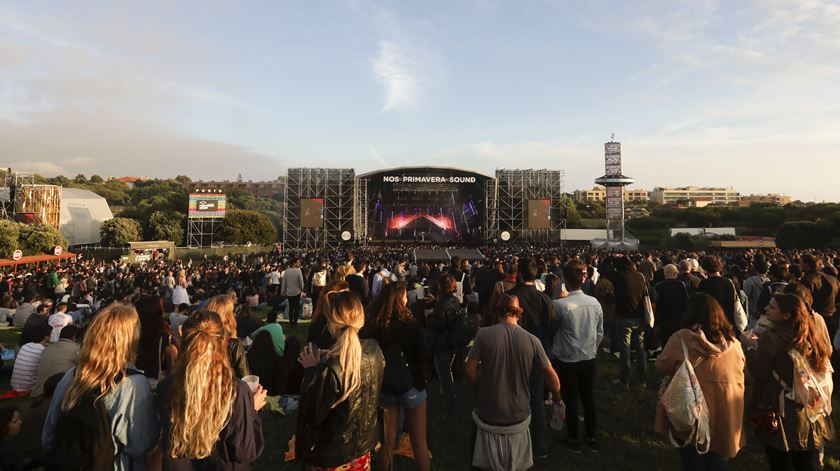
(162, 364)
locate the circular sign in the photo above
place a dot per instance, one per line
(57, 250)
(17, 255)
(346, 235)
(505, 236)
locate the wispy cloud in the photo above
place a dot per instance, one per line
(378, 158)
(394, 71)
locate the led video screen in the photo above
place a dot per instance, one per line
(311, 213)
(426, 204)
(539, 212)
(207, 206)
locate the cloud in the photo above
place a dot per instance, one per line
(378, 158)
(393, 68)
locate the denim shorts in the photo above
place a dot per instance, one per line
(409, 400)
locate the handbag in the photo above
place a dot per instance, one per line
(647, 307)
(764, 420)
(685, 406)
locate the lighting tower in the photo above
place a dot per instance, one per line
(614, 181)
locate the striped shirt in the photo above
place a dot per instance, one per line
(25, 371)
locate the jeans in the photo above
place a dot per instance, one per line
(632, 334)
(294, 309)
(797, 460)
(578, 380)
(443, 368)
(693, 461)
(539, 432)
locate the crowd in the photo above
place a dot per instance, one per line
(162, 365)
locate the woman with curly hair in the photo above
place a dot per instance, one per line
(393, 326)
(103, 379)
(212, 416)
(223, 305)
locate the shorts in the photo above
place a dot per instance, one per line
(409, 400)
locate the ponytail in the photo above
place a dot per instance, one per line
(344, 320)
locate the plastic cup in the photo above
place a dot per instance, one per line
(252, 381)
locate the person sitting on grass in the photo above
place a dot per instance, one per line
(28, 359)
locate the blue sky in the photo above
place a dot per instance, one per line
(736, 93)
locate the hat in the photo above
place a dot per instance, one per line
(510, 303)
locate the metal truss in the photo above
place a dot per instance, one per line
(336, 187)
(201, 231)
(360, 203)
(507, 204)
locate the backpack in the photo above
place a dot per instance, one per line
(83, 435)
(386, 280)
(811, 390)
(397, 378)
(685, 406)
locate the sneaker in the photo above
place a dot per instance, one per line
(573, 446)
(592, 444)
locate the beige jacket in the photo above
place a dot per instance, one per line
(721, 377)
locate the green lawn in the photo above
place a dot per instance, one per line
(626, 436)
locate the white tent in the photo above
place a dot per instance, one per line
(82, 214)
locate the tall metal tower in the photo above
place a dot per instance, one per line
(615, 181)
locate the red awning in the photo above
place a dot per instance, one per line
(38, 259)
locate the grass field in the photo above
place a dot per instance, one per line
(626, 437)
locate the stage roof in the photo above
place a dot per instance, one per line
(416, 167)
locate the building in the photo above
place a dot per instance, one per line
(771, 198)
(705, 195)
(130, 181)
(81, 216)
(599, 195)
(262, 189)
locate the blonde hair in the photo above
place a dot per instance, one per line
(345, 317)
(110, 345)
(223, 306)
(204, 389)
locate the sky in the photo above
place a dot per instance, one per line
(740, 93)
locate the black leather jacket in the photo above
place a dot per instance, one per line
(331, 437)
(445, 311)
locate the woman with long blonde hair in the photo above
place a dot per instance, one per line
(223, 306)
(212, 416)
(103, 379)
(340, 392)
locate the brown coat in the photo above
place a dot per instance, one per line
(798, 433)
(721, 377)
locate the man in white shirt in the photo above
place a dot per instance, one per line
(381, 278)
(274, 276)
(58, 320)
(579, 328)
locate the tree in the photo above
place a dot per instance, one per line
(9, 235)
(803, 235)
(166, 226)
(241, 227)
(40, 238)
(80, 178)
(118, 232)
(96, 179)
(572, 214)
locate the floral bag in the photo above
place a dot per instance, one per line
(685, 406)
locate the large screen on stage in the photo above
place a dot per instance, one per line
(426, 204)
(539, 212)
(311, 213)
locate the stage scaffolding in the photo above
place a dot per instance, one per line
(360, 216)
(336, 187)
(507, 204)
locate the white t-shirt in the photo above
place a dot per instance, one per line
(25, 371)
(57, 321)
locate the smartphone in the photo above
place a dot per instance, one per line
(8, 354)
